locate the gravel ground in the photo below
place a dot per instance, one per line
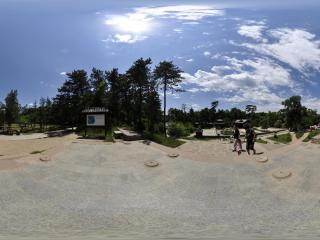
(101, 191)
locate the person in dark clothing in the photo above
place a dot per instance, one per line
(250, 137)
(237, 147)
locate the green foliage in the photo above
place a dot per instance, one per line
(139, 74)
(294, 112)
(12, 107)
(73, 97)
(109, 137)
(261, 141)
(283, 138)
(278, 124)
(311, 135)
(178, 129)
(163, 140)
(264, 123)
(168, 76)
(299, 134)
(99, 86)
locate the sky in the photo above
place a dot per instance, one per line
(236, 52)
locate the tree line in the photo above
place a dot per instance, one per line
(293, 115)
(133, 100)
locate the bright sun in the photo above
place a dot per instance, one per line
(130, 23)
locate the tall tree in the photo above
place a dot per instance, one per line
(72, 98)
(114, 82)
(169, 77)
(251, 109)
(139, 74)
(153, 107)
(126, 97)
(12, 107)
(294, 112)
(2, 113)
(213, 110)
(99, 88)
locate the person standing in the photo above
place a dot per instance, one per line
(237, 147)
(250, 137)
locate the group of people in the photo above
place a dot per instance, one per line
(250, 140)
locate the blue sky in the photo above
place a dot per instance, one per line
(237, 52)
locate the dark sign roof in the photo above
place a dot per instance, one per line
(95, 110)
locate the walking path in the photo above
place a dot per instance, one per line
(23, 137)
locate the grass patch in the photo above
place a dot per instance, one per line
(283, 138)
(311, 135)
(161, 139)
(299, 135)
(261, 141)
(109, 137)
(37, 152)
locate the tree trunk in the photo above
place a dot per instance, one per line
(164, 107)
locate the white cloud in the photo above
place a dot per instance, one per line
(255, 22)
(190, 60)
(311, 102)
(193, 90)
(216, 56)
(191, 23)
(254, 32)
(181, 12)
(298, 48)
(63, 73)
(144, 19)
(265, 99)
(125, 38)
(195, 106)
(247, 80)
(178, 30)
(206, 53)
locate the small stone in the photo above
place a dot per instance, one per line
(151, 163)
(173, 155)
(281, 174)
(45, 159)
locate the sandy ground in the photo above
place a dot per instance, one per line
(96, 190)
(15, 153)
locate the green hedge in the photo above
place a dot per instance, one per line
(178, 129)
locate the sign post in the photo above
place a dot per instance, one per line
(96, 118)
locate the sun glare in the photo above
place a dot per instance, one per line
(130, 24)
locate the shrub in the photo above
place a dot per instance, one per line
(176, 129)
(283, 138)
(278, 124)
(189, 128)
(311, 135)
